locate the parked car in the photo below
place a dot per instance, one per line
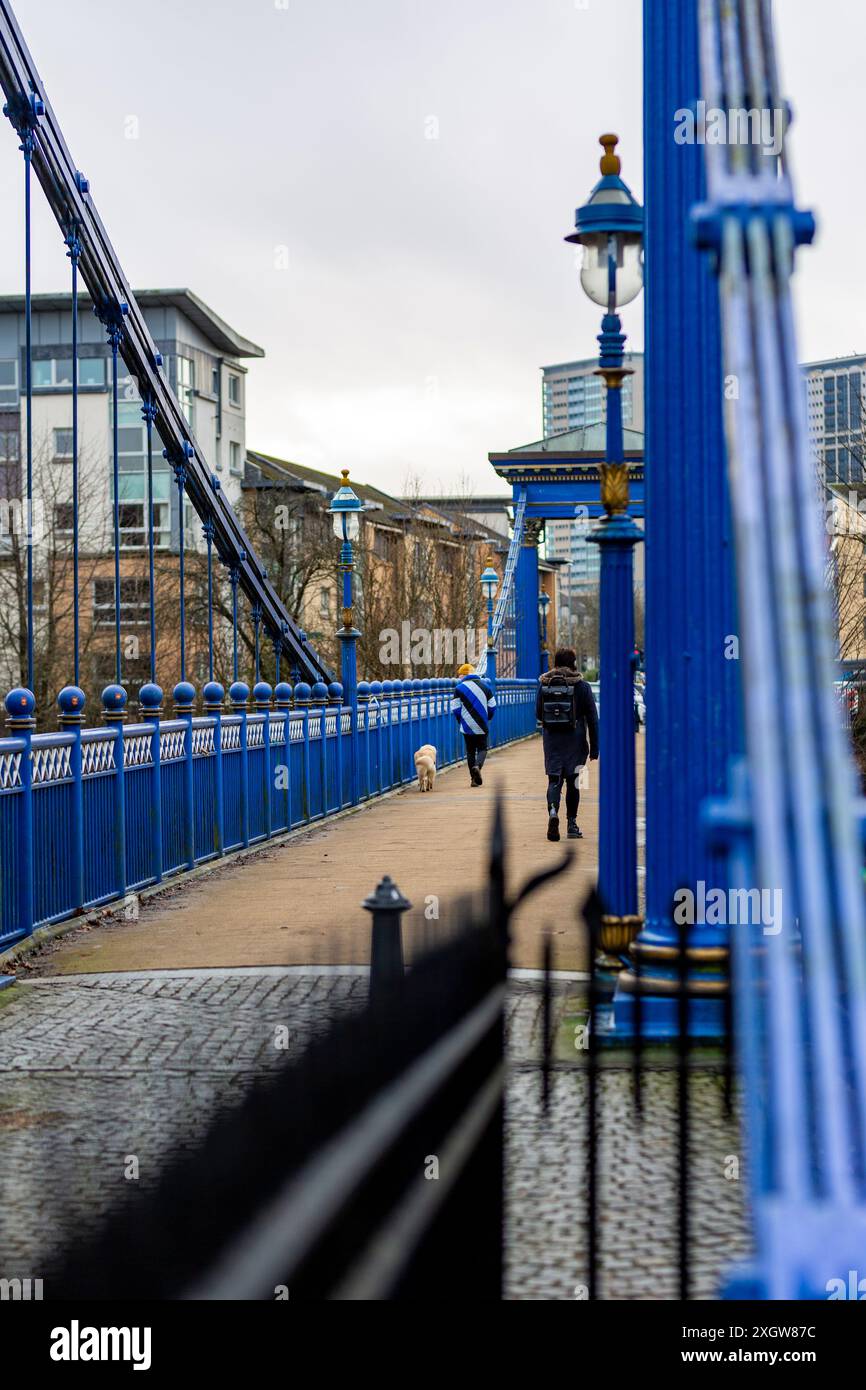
(639, 705)
(639, 702)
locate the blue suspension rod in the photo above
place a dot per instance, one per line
(257, 621)
(148, 411)
(74, 253)
(114, 337)
(27, 141)
(234, 576)
(180, 475)
(25, 109)
(208, 528)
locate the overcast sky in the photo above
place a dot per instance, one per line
(406, 289)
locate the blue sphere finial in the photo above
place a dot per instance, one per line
(20, 704)
(183, 695)
(114, 699)
(282, 695)
(150, 698)
(335, 692)
(262, 693)
(212, 695)
(303, 693)
(239, 692)
(71, 702)
(319, 693)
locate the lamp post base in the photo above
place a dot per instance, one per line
(658, 984)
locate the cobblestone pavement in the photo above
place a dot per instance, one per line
(101, 1068)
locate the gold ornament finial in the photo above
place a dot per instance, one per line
(610, 162)
(614, 488)
(344, 474)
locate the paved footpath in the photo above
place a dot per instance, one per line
(298, 901)
(102, 1069)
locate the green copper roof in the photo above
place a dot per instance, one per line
(588, 440)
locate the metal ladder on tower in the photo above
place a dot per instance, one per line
(507, 587)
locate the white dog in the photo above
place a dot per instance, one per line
(425, 764)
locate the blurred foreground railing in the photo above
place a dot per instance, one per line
(371, 1167)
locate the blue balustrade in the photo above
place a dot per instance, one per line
(88, 815)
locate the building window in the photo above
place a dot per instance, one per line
(53, 372)
(63, 517)
(10, 473)
(234, 456)
(215, 380)
(234, 389)
(8, 381)
(134, 602)
(385, 544)
(63, 444)
(132, 475)
(91, 371)
(132, 519)
(325, 601)
(185, 376)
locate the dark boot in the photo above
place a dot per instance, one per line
(553, 825)
(574, 830)
(475, 774)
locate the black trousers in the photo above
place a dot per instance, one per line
(572, 794)
(476, 749)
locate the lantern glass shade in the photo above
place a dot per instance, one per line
(347, 525)
(594, 269)
(489, 581)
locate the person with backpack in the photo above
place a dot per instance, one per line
(473, 706)
(565, 708)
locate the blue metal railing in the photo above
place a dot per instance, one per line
(101, 830)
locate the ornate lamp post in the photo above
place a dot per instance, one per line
(609, 227)
(489, 584)
(345, 510)
(543, 605)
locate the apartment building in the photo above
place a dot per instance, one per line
(203, 359)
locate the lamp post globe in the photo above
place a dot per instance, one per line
(345, 512)
(489, 585)
(609, 229)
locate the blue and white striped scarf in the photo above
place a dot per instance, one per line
(473, 705)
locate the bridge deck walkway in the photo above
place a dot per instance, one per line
(297, 901)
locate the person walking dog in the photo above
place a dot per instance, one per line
(565, 708)
(473, 706)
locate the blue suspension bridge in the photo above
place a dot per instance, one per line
(733, 546)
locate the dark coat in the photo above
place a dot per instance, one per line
(566, 750)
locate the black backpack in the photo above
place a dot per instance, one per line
(557, 704)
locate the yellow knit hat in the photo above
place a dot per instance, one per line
(465, 669)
